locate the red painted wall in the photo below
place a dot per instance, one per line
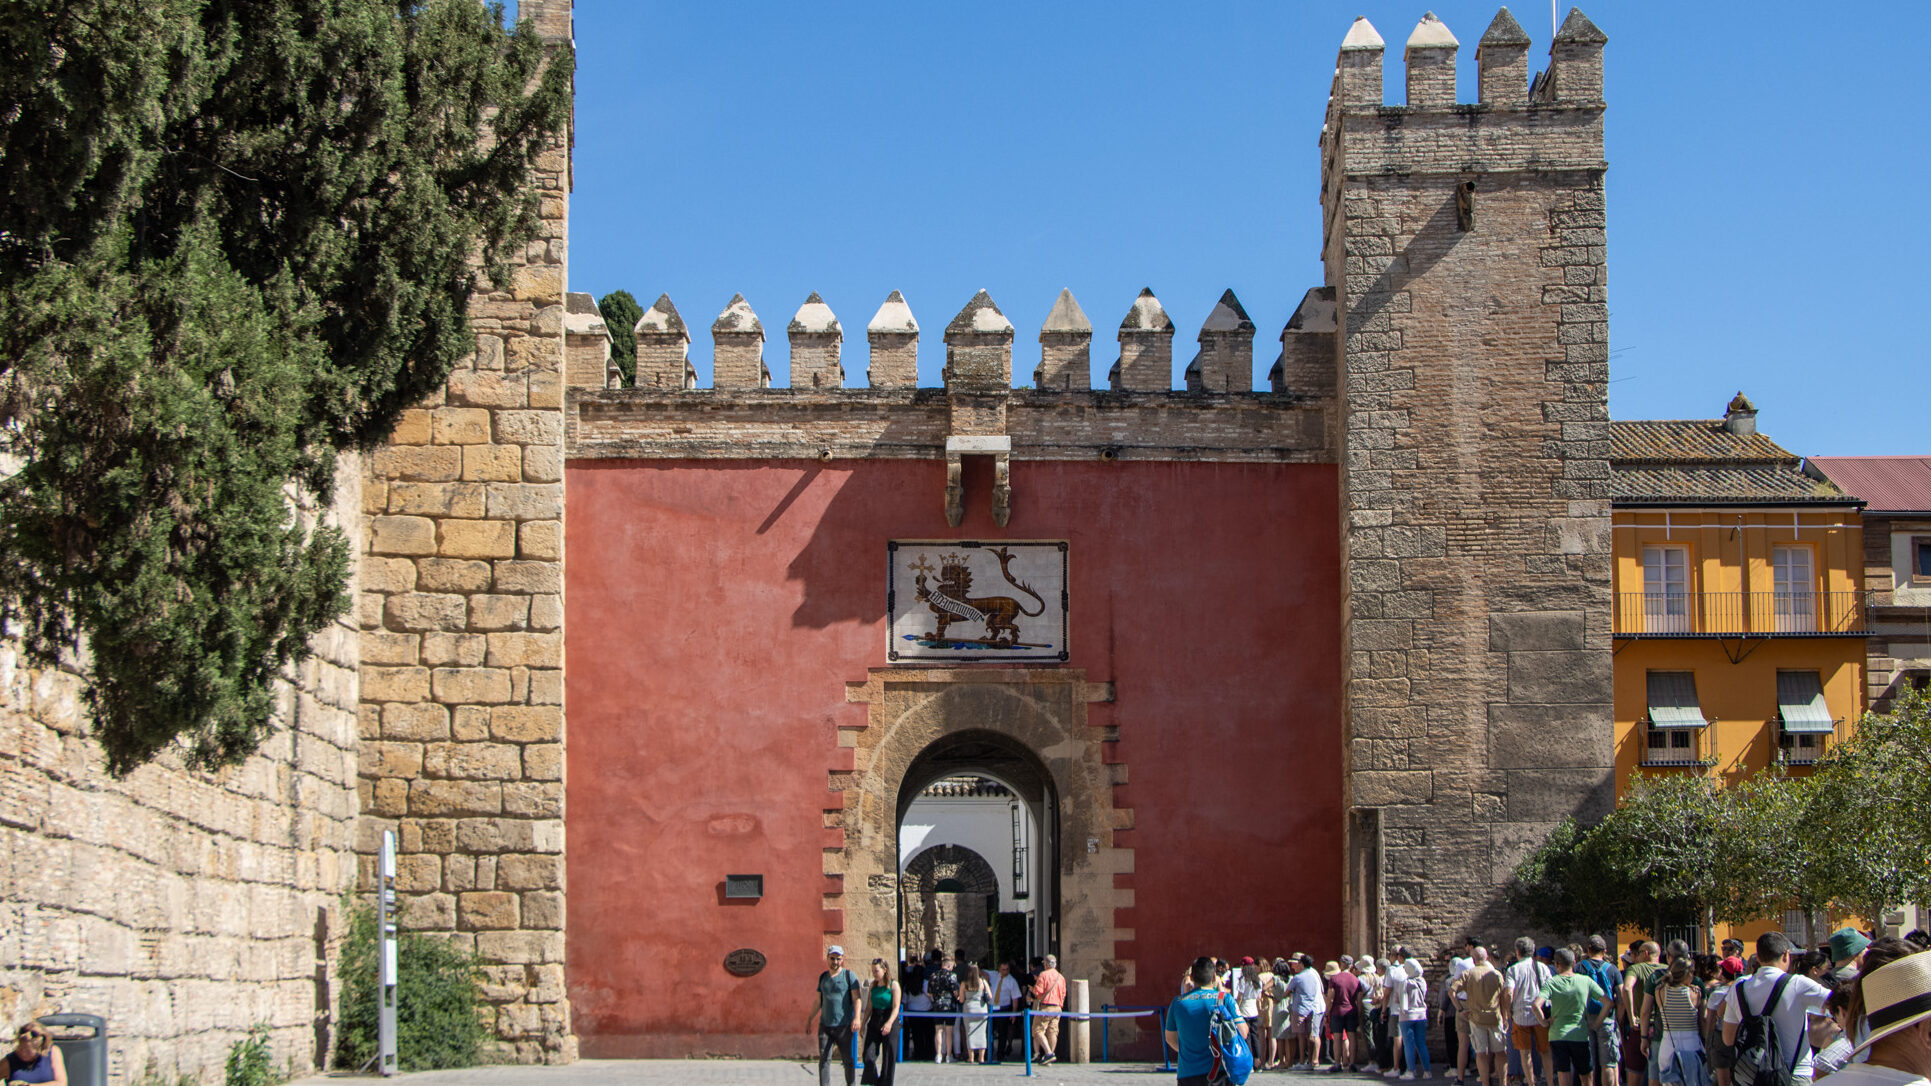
(717, 609)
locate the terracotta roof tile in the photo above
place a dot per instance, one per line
(1697, 461)
(1890, 484)
(1688, 440)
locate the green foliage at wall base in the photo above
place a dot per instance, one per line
(439, 1006)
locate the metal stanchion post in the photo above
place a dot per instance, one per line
(1029, 1042)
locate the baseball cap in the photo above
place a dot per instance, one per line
(834, 949)
(1732, 967)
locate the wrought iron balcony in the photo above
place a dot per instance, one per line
(1677, 748)
(1741, 614)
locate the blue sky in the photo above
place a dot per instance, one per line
(1767, 176)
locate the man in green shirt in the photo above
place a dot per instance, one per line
(1568, 994)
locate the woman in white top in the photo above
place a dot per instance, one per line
(1247, 991)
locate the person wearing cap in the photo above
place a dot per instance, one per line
(1896, 1009)
(835, 1011)
(1343, 992)
(1309, 1006)
(1247, 994)
(1801, 998)
(1605, 1040)
(1846, 953)
(1723, 1057)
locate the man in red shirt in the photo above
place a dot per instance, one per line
(1049, 994)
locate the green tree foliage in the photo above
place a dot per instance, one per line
(439, 1006)
(239, 238)
(1867, 822)
(1680, 848)
(620, 312)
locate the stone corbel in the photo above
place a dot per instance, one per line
(957, 448)
(954, 488)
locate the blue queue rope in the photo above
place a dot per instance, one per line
(1166, 1060)
(1028, 1016)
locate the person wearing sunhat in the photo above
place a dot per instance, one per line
(1897, 1011)
(1846, 953)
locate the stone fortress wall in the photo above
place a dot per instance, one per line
(184, 907)
(1454, 365)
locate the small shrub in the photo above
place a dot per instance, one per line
(249, 1061)
(438, 1004)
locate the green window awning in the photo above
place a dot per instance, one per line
(1800, 703)
(1672, 700)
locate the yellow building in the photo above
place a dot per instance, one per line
(1739, 619)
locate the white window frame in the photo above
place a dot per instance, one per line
(1794, 587)
(1666, 588)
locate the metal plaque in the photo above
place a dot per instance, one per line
(744, 962)
(967, 600)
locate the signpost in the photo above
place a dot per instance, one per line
(385, 926)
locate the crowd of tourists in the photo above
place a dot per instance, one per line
(1576, 1015)
(948, 1014)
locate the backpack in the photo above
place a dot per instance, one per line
(1761, 1060)
(1598, 972)
(1233, 1057)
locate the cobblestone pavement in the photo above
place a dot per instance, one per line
(795, 1073)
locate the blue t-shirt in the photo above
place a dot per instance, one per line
(1190, 1016)
(835, 998)
(1607, 977)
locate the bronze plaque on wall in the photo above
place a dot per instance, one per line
(744, 962)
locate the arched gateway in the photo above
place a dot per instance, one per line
(1029, 730)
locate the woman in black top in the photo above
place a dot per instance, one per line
(942, 984)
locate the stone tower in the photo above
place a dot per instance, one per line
(1465, 248)
(461, 613)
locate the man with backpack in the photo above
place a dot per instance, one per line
(1190, 1025)
(1767, 1018)
(835, 1011)
(1605, 1043)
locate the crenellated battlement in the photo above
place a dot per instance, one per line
(979, 349)
(1553, 123)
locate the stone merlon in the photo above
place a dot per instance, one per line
(737, 317)
(894, 316)
(980, 316)
(1066, 315)
(1146, 315)
(815, 318)
(662, 319)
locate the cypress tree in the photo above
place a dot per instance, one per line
(239, 238)
(620, 314)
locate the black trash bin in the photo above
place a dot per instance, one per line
(83, 1046)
